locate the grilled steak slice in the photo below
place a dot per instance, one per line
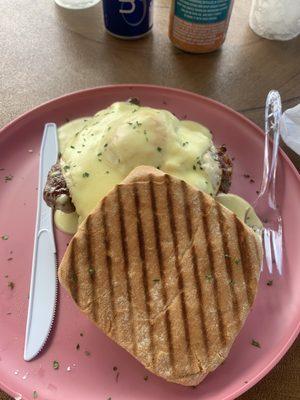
(166, 272)
(226, 165)
(56, 193)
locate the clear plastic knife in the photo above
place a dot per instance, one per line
(43, 285)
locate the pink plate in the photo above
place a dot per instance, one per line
(274, 320)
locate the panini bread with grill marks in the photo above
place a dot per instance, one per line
(166, 272)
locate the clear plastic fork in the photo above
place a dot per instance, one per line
(265, 205)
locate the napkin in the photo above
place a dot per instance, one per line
(290, 128)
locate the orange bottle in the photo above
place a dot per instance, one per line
(199, 26)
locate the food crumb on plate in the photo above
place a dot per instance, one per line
(255, 343)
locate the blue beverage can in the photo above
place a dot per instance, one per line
(128, 19)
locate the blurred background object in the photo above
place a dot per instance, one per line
(128, 19)
(275, 19)
(199, 26)
(76, 4)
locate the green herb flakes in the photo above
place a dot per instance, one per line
(255, 343)
(11, 285)
(85, 175)
(35, 394)
(55, 364)
(72, 147)
(159, 149)
(194, 167)
(270, 283)
(156, 280)
(77, 346)
(91, 271)
(237, 261)
(106, 144)
(209, 277)
(8, 178)
(66, 167)
(87, 353)
(146, 378)
(4, 237)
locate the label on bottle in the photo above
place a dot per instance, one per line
(202, 11)
(201, 22)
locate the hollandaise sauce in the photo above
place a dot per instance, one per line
(99, 152)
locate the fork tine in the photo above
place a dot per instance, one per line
(276, 239)
(268, 249)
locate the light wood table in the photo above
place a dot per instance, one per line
(47, 51)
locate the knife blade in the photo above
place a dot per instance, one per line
(43, 284)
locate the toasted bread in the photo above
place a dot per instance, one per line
(166, 272)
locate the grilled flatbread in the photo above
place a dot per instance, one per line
(166, 272)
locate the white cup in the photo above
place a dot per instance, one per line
(76, 4)
(275, 19)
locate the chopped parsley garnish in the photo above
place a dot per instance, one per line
(106, 144)
(146, 378)
(209, 277)
(55, 364)
(129, 123)
(231, 282)
(35, 394)
(107, 172)
(77, 346)
(72, 147)
(156, 280)
(255, 343)
(87, 353)
(237, 261)
(109, 128)
(91, 271)
(99, 154)
(185, 143)
(194, 167)
(66, 167)
(85, 175)
(270, 282)
(4, 237)
(8, 178)
(11, 285)
(135, 110)
(159, 149)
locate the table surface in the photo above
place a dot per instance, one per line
(49, 51)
